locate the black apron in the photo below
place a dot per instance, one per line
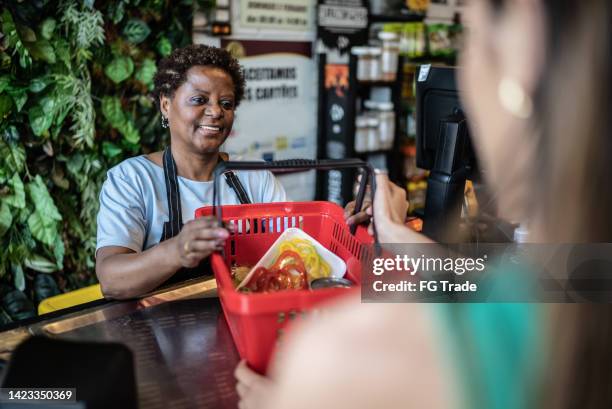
(175, 223)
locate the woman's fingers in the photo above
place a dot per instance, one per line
(381, 197)
(358, 218)
(246, 375)
(205, 228)
(214, 233)
(242, 390)
(202, 246)
(399, 203)
(251, 387)
(230, 226)
(202, 222)
(196, 250)
(199, 238)
(389, 201)
(348, 210)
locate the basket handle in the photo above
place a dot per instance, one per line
(305, 164)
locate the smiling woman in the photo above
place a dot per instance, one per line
(142, 242)
(201, 112)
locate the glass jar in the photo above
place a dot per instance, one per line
(364, 62)
(375, 64)
(389, 55)
(371, 108)
(373, 137)
(361, 133)
(386, 116)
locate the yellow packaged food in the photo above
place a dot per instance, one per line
(316, 266)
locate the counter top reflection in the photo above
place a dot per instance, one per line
(183, 350)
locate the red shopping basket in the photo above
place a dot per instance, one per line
(257, 320)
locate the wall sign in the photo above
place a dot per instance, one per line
(277, 118)
(277, 15)
(342, 23)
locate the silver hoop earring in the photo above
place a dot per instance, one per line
(514, 99)
(164, 122)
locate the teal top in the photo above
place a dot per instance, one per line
(498, 348)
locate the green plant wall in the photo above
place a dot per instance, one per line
(74, 83)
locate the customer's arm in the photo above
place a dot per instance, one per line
(358, 356)
(124, 273)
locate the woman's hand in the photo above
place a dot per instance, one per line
(390, 209)
(253, 389)
(390, 204)
(198, 239)
(363, 216)
(358, 218)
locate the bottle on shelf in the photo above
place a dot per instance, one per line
(370, 107)
(386, 117)
(361, 133)
(373, 134)
(369, 66)
(364, 62)
(389, 55)
(375, 64)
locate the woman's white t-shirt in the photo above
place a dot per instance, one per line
(134, 206)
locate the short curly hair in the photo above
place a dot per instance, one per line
(172, 70)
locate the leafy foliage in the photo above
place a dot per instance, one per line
(74, 78)
(136, 31)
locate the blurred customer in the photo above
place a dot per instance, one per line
(536, 85)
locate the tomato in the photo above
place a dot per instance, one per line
(257, 282)
(287, 273)
(284, 280)
(289, 257)
(315, 265)
(298, 281)
(291, 265)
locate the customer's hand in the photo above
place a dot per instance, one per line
(198, 239)
(363, 216)
(390, 209)
(253, 389)
(390, 202)
(357, 218)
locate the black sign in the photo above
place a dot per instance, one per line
(342, 23)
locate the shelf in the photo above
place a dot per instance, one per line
(369, 84)
(447, 60)
(397, 18)
(378, 152)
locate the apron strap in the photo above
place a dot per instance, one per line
(175, 223)
(234, 183)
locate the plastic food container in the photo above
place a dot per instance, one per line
(336, 264)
